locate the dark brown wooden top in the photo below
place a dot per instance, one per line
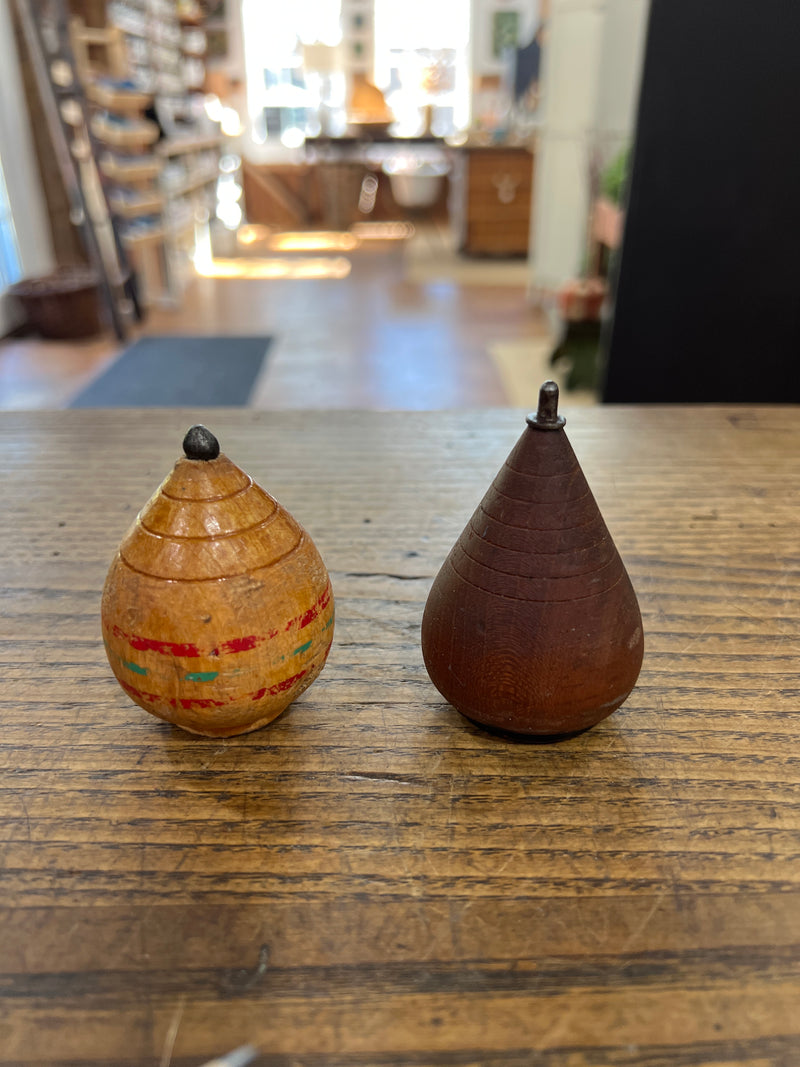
(370, 880)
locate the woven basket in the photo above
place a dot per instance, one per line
(61, 305)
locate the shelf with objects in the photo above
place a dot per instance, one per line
(124, 136)
(120, 139)
(74, 301)
(132, 172)
(189, 184)
(161, 150)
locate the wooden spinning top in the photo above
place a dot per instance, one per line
(217, 610)
(532, 626)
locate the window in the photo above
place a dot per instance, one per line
(422, 64)
(415, 51)
(10, 269)
(292, 83)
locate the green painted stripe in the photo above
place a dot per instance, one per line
(200, 676)
(127, 664)
(133, 666)
(302, 648)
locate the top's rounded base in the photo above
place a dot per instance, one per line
(527, 739)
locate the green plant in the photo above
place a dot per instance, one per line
(615, 176)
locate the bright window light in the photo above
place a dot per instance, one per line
(284, 94)
(422, 61)
(10, 269)
(230, 123)
(293, 137)
(229, 213)
(296, 82)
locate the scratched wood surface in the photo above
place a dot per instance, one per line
(371, 880)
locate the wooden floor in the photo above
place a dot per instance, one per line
(375, 340)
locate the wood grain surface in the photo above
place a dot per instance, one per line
(371, 880)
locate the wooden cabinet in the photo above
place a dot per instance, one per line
(490, 204)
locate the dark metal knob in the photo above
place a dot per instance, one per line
(200, 443)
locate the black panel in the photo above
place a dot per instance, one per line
(708, 288)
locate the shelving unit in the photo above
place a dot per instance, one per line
(177, 146)
(188, 181)
(134, 203)
(160, 156)
(130, 171)
(119, 130)
(193, 48)
(116, 100)
(61, 65)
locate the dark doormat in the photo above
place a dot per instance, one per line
(166, 372)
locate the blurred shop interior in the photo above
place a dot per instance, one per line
(417, 202)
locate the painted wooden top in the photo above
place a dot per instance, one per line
(370, 879)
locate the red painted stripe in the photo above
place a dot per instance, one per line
(238, 644)
(206, 703)
(188, 650)
(203, 703)
(166, 648)
(307, 617)
(152, 698)
(279, 687)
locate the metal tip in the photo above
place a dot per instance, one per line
(547, 416)
(200, 443)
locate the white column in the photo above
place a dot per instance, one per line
(592, 66)
(620, 72)
(571, 65)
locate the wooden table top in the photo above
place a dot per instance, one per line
(371, 880)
